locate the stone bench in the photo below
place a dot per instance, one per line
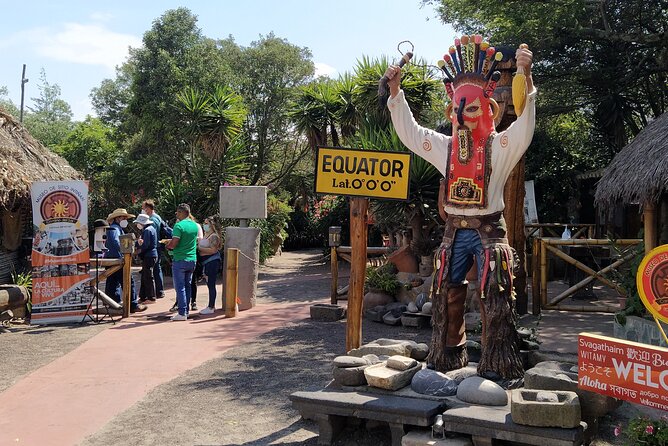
(485, 423)
(330, 409)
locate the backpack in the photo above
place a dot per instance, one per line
(166, 231)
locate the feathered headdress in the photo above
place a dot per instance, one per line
(471, 60)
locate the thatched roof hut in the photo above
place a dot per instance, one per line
(24, 160)
(639, 174)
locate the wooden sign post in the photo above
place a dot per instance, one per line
(360, 174)
(358, 240)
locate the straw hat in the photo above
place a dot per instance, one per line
(143, 219)
(120, 212)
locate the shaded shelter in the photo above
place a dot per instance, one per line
(639, 174)
(23, 160)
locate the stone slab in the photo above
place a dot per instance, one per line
(380, 375)
(557, 408)
(330, 408)
(327, 312)
(417, 320)
(497, 423)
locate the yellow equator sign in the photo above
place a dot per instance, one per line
(364, 173)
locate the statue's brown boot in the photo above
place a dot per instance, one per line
(448, 344)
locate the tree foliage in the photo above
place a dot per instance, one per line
(50, 119)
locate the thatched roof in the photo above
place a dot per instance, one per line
(23, 160)
(639, 172)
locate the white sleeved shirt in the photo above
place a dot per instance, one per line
(507, 148)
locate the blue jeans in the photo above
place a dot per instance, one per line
(182, 274)
(211, 272)
(157, 275)
(465, 246)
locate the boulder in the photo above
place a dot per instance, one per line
(431, 382)
(426, 308)
(477, 390)
(555, 375)
(375, 298)
(401, 363)
(327, 312)
(350, 376)
(383, 377)
(460, 375)
(345, 362)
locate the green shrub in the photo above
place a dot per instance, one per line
(645, 431)
(383, 278)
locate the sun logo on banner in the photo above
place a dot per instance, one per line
(60, 209)
(60, 206)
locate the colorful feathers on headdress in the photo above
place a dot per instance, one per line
(471, 56)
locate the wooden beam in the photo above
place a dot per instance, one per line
(649, 217)
(335, 276)
(358, 240)
(570, 260)
(231, 282)
(535, 277)
(127, 281)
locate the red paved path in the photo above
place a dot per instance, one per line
(75, 395)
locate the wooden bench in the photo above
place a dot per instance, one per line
(331, 408)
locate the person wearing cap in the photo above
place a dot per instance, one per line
(118, 221)
(183, 245)
(147, 251)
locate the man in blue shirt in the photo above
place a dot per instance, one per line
(148, 208)
(147, 251)
(118, 220)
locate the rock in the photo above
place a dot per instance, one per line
(412, 308)
(372, 359)
(472, 321)
(383, 377)
(401, 363)
(524, 332)
(545, 409)
(426, 308)
(460, 375)
(349, 361)
(397, 309)
(390, 319)
(555, 375)
(376, 314)
(419, 352)
(474, 349)
(431, 382)
(546, 397)
(529, 345)
(420, 300)
(477, 390)
(415, 320)
(327, 312)
(373, 348)
(350, 376)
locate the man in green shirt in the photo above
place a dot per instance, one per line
(184, 252)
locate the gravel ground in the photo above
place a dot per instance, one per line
(240, 397)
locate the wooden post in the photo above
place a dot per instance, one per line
(335, 275)
(231, 282)
(358, 241)
(535, 277)
(649, 215)
(514, 214)
(127, 281)
(543, 273)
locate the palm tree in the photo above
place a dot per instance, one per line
(212, 120)
(313, 112)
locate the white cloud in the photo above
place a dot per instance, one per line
(101, 16)
(77, 43)
(322, 69)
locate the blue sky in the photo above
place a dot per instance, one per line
(78, 43)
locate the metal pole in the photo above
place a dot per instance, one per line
(23, 83)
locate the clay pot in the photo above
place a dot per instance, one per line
(404, 260)
(375, 298)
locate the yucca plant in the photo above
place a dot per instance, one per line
(24, 279)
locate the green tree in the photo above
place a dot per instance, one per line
(6, 104)
(50, 119)
(267, 74)
(90, 149)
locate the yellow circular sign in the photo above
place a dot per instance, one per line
(652, 282)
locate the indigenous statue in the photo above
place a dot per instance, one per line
(475, 162)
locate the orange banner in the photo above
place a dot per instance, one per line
(623, 369)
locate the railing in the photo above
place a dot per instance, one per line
(344, 252)
(544, 246)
